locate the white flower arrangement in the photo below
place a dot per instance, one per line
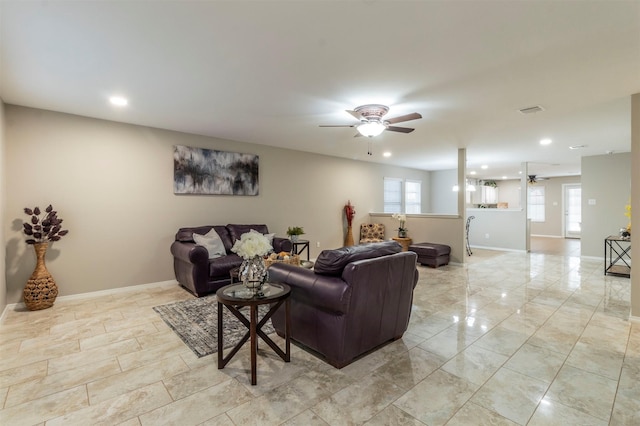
(402, 218)
(251, 244)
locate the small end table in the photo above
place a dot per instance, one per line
(404, 242)
(617, 256)
(234, 297)
(303, 244)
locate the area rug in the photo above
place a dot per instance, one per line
(195, 321)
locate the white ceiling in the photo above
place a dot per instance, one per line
(270, 72)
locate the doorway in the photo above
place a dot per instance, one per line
(572, 202)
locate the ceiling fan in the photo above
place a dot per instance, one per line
(534, 178)
(371, 122)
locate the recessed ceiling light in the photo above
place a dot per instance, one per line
(545, 141)
(577, 146)
(386, 154)
(504, 177)
(484, 167)
(118, 101)
(472, 172)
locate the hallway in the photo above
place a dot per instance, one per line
(557, 246)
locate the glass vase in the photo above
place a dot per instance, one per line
(253, 273)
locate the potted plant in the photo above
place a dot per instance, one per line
(294, 233)
(402, 219)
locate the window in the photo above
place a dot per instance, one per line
(412, 199)
(392, 195)
(535, 203)
(397, 200)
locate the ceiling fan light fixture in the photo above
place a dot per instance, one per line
(371, 128)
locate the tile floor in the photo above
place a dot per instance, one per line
(509, 338)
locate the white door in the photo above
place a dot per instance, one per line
(572, 210)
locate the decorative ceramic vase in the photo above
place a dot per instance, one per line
(253, 273)
(294, 238)
(348, 241)
(41, 290)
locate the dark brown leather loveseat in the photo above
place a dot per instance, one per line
(199, 273)
(356, 299)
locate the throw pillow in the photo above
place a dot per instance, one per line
(212, 242)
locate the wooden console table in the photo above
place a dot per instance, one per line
(617, 256)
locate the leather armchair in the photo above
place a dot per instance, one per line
(355, 300)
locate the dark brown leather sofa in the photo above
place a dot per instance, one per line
(356, 299)
(201, 275)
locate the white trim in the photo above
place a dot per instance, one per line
(634, 319)
(551, 236)
(492, 209)
(601, 259)
(117, 290)
(170, 283)
(425, 215)
(499, 249)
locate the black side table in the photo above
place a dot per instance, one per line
(234, 297)
(303, 245)
(617, 256)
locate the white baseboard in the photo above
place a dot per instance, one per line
(497, 249)
(547, 236)
(634, 319)
(600, 259)
(161, 284)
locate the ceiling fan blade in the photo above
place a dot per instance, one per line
(400, 129)
(337, 125)
(407, 117)
(356, 114)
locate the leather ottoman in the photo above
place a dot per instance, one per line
(431, 254)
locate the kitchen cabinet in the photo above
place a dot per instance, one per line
(489, 195)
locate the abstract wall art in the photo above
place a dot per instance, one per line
(206, 171)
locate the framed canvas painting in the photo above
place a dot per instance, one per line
(211, 172)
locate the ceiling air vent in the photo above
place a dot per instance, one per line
(531, 110)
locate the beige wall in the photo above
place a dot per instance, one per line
(439, 229)
(635, 202)
(112, 185)
(3, 192)
(606, 179)
(443, 200)
(509, 192)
